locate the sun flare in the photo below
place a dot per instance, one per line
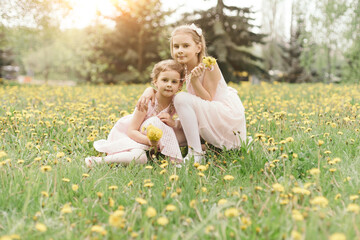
(84, 12)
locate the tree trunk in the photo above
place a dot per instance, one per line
(140, 52)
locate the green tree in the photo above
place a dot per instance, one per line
(127, 53)
(273, 25)
(230, 37)
(27, 25)
(295, 72)
(351, 67)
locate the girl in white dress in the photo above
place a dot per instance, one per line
(127, 140)
(210, 109)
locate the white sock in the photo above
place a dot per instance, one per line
(184, 109)
(137, 155)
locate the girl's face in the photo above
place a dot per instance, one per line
(168, 83)
(185, 50)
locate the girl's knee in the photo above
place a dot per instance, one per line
(182, 98)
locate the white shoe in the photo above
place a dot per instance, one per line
(197, 156)
(89, 161)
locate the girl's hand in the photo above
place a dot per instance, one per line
(167, 119)
(153, 144)
(197, 72)
(143, 102)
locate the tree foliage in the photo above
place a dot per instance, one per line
(128, 52)
(352, 55)
(229, 35)
(273, 25)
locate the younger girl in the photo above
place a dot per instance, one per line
(127, 141)
(210, 108)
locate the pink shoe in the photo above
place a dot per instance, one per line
(89, 161)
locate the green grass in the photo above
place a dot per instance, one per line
(54, 126)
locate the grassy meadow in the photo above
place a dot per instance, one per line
(298, 180)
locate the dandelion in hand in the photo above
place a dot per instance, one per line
(153, 133)
(209, 62)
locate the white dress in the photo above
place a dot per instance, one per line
(118, 140)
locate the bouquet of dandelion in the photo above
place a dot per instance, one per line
(154, 134)
(209, 62)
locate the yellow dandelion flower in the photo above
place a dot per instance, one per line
(352, 207)
(111, 202)
(297, 216)
(201, 168)
(209, 229)
(130, 183)
(353, 197)
(75, 187)
(192, 203)
(113, 187)
(302, 191)
(148, 185)
(174, 177)
(40, 227)
(99, 194)
(164, 165)
(153, 133)
(60, 154)
(45, 169)
(228, 177)
(314, 171)
(85, 175)
(337, 236)
(200, 174)
(278, 187)
(141, 201)
(116, 221)
(196, 164)
(222, 201)
(320, 201)
(3, 154)
(295, 235)
(244, 198)
(170, 208)
(98, 229)
(66, 208)
(258, 188)
(337, 196)
(162, 171)
(150, 212)
(209, 62)
(65, 180)
(320, 143)
(231, 212)
(149, 167)
(134, 235)
(163, 221)
(44, 194)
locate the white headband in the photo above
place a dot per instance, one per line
(196, 29)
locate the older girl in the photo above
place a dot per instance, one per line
(210, 108)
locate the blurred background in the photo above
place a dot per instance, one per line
(119, 41)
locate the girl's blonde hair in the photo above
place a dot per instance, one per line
(167, 65)
(195, 33)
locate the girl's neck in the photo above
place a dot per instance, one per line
(162, 100)
(191, 65)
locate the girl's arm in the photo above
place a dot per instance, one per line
(148, 95)
(134, 128)
(206, 90)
